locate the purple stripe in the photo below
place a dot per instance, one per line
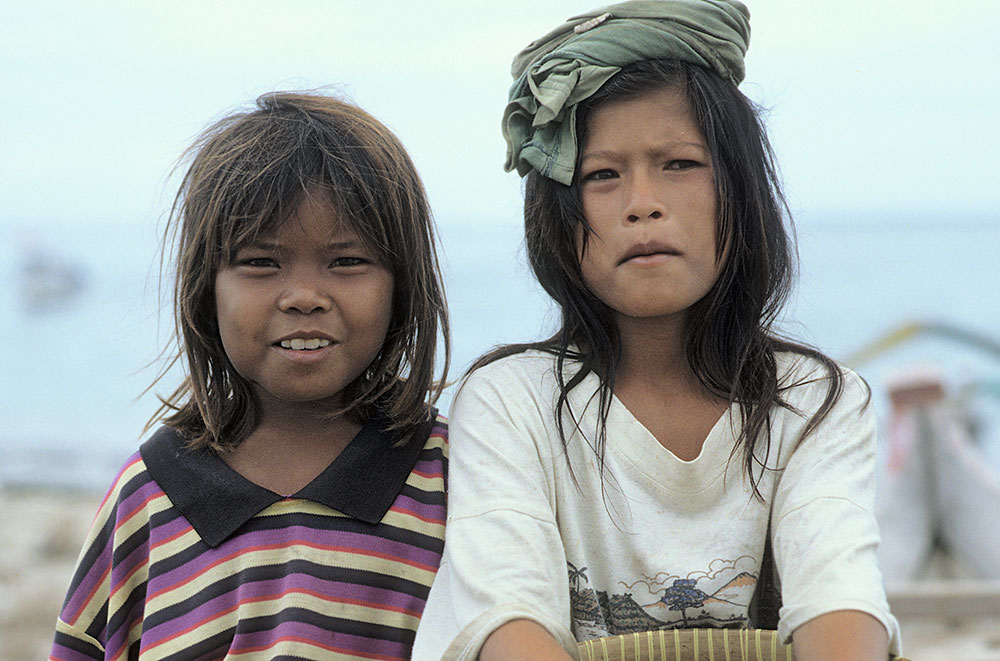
(431, 467)
(117, 640)
(119, 572)
(63, 653)
(128, 506)
(259, 590)
(76, 600)
(169, 529)
(96, 571)
(343, 641)
(434, 512)
(284, 538)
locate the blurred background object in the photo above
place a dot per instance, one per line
(883, 116)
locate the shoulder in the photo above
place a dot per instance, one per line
(132, 477)
(531, 371)
(435, 438)
(806, 382)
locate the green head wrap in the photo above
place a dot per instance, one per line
(554, 73)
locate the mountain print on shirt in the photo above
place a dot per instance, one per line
(717, 597)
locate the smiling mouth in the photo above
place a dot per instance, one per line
(300, 344)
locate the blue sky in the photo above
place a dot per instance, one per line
(882, 107)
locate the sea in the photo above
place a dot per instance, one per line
(85, 320)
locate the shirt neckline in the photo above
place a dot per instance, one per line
(362, 482)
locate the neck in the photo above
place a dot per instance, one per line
(287, 450)
(653, 351)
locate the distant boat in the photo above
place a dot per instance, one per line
(939, 490)
(46, 281)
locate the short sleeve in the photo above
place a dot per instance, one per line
(823, 523)
(81, 630)
(503, 558)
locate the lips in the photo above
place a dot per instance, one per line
(649, 249)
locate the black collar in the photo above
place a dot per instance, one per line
(362, 482)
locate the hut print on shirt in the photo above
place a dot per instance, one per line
(717, 597)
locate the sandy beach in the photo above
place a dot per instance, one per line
(44, 529)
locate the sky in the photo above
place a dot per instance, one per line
(882, 113)
(881, 108)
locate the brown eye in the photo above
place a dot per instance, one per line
(258, 262)
(600, 175)
(349, 261)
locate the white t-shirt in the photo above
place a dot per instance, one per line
(658, 542)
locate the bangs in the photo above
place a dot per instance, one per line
(264, 187)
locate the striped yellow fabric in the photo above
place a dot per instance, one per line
(689, 645)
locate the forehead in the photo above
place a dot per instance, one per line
(315, 215)
(660, 116)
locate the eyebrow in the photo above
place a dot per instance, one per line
(269, 244)
(657, 150)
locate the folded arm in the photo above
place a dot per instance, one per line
(841, 635)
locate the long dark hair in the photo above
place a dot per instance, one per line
(731, 343)
(248, 173)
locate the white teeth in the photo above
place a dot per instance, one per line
(298, 343)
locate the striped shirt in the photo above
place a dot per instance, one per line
(186, 559)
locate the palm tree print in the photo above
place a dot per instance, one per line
(575, 575)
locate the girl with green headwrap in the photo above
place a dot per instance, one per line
(666, 458)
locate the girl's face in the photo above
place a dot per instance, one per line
(648, 191)
(305, 309)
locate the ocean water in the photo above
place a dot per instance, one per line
(73, 369)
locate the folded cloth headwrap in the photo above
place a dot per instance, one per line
(569, 64)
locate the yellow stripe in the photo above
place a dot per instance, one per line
(298, 649)
(283, 555)
(428, 484)
(262, 609)
(173, 547)
(697, 653)
(725, 644)
(140, 518)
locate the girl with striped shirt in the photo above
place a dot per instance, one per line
(292, 503)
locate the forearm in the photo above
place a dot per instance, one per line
(522, 639)
(841, 635)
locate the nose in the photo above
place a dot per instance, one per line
(305, 296)
(644, 199)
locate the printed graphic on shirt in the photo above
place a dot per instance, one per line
(717, 597)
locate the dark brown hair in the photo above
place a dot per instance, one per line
(249, 172)
(731, 344)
